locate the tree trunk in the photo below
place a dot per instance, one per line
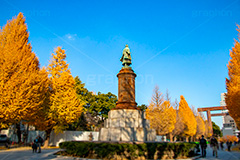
(194, 139)
(26, 135)
(170, 137)
(174, 138)
(187, 139)
(46, 142)
(18, 133)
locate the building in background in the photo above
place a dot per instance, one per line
(229, 125)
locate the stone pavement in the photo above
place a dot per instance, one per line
(26, 154)
(222, 155)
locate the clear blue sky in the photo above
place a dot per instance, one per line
(182, 46)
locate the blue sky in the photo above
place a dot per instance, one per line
(182, 46)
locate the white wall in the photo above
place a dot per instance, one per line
(161, 138)
(33, 134)
(55, 139)
(227, 131)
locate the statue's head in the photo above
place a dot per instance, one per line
(126, 49)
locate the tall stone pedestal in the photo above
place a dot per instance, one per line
(126, 125)
(126, 89)
(126, 122)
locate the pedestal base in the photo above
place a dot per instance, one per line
(127, 125)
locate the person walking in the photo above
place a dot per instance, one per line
(229, 145)
(214, 145)
(203, 144)
(39, 141)
(221, 145)
(34, 145)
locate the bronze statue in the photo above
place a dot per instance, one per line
(126, 57)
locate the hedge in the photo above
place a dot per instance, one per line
(109, 150)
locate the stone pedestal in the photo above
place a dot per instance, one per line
(126, 89)
(126, 122)
(126, 125)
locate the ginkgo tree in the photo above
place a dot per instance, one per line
(188, 118)
(161, 114)
(233, 82)
(200, 123)
(179, 126)
(22, 83)
(154, 108)
(64, 106)
(208, 130)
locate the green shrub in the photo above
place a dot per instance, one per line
(127, 150)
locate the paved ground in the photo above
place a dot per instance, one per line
(26, 154)
(47, 154)
(222, 155)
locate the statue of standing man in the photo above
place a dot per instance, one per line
(126, 57)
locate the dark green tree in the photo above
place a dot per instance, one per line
(96, 108)
(216, 129)
(81, 91)
(143, 107)
(80, 124)
(105, 102)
